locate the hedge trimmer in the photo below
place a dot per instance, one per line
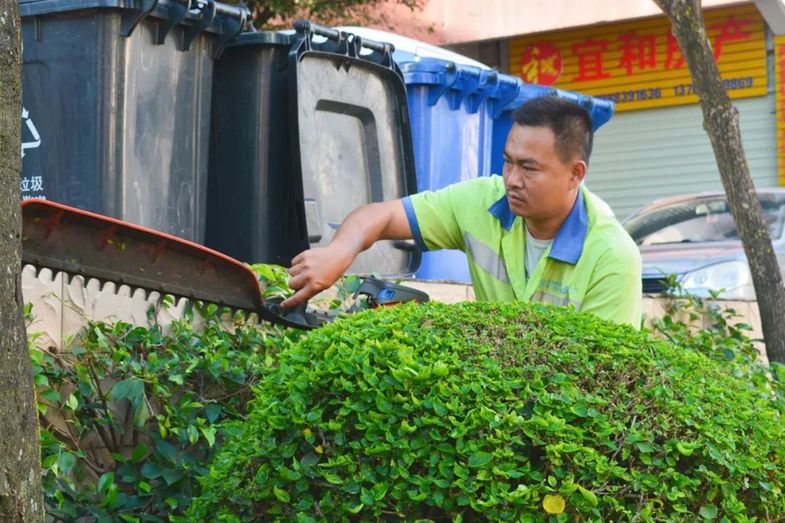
(79, 242)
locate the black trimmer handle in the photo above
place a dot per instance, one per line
(299, 317)
(382, 292)
(377, 292)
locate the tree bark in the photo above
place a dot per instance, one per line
(21, 499)
(721, 122)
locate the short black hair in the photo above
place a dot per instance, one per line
(570, 123)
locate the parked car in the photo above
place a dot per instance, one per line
(695, 238)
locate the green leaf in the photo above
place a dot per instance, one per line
(685, 448)
(333, 478)
(51, 395)
(366, 497)
(708, 511)
(193, 434)
(167, 450)
(66, 462)
(141, 412)
(644, 447)
(144, 486)
(313, 416)
(439, 408)
(139, 452)
(104, 482)
(209, 435)
(172, 475)
(281, 494)
(479, 459)
(212, 411)
(588, 495)
(151, 470)
(130, 388)
(579, 410)
(379, 491)
(440, 369)
(289, 474)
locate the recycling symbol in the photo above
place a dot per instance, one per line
(32, 132)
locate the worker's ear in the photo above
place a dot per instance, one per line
(578, 173)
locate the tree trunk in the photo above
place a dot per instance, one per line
(20, 471)
(721, 122)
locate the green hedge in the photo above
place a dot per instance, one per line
(131, 415)
(503, 413)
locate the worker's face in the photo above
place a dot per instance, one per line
(540, 186)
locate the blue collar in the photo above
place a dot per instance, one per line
(568, 244)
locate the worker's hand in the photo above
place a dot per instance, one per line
(314, 270)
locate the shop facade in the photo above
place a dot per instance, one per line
(655, 145)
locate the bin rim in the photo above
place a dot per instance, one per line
(600, 109)
(29, 8)
(438, 65)
(262, 38)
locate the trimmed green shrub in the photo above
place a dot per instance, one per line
(498, 412)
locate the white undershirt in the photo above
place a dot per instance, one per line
(534, 250)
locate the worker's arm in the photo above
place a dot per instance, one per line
(316, 269)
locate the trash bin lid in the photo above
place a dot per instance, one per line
(409, 49)
(212, 16)
(352, 137)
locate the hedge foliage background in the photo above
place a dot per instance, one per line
(130, 415)
(469, 412)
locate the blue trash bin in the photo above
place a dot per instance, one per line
(452, 132)
(460, 117)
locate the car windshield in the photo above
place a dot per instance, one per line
(702, 219)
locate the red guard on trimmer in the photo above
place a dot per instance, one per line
(79, 242)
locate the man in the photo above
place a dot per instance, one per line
(534, 234)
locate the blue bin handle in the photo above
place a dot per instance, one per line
(467, 83)
(488, 80)
(451, 76)
(504, 94)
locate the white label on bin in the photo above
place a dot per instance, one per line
(29, 131)
(32, 187)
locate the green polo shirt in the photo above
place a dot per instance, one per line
(592, 264)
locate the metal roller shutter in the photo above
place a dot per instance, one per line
(641, 156)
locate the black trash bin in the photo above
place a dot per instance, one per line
(251, 187)
(306, 128)
(117, 105)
